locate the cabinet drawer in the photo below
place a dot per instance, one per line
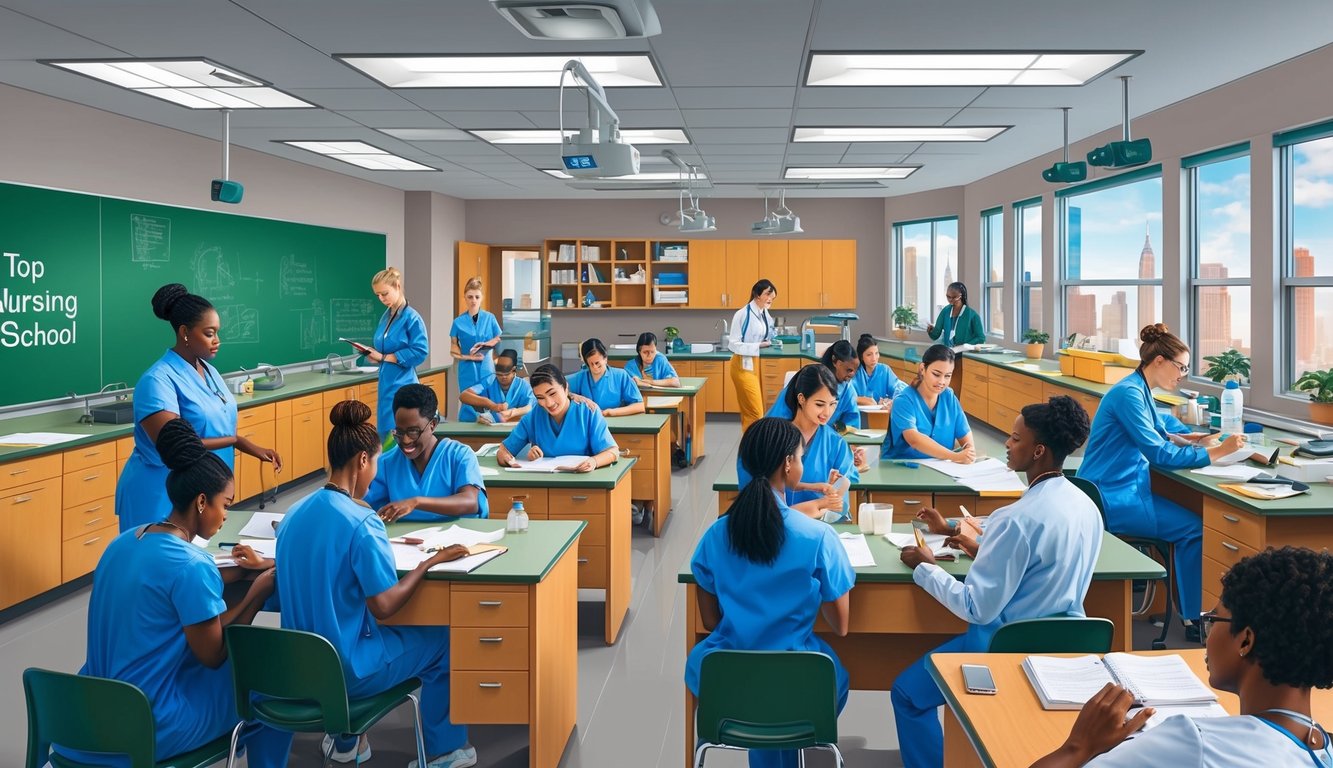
(79, 555)
(331, 397)
(1233, 524)
(905, 505)
(1002, 417)
(255, 415)
(592, 566)
(488, 606)
(82, 518)
(282, 409)
(484, 648)
(708, 367)
(24, 471)
(1224, 549)
(36, 499)
(369, 391)
(535, 501)
(641, 447)
(643, 483)
(306, 403)
(85, 485)
(124, 447)
(948, 503)
(990, 505)
(89, 456)
(577, 501)
(481, 698)
(1213, 571)
(595, 530)
(1028, 387)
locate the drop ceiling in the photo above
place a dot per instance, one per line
(732, 71)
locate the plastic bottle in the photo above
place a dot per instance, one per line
(517, 522)
(1233, 409)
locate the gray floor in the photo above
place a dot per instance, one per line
(630, 694)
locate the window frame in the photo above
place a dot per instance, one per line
(991, 248)
(1189, 168)
(898, 227)
(1022, 310)
(1284, 143)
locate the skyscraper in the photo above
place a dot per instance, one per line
(1214, 313)
(1147, 271)
(1115, 320)
(1074, 250)
(1303, 318)
(1082, 312)
(909, 278)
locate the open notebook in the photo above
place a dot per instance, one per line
(1155, 681)
(481, 544)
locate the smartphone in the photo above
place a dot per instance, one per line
(977, 679)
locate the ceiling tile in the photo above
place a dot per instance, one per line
(343, 99)
(727, 97)
(736, 118)
(706, 136)
(896, 98)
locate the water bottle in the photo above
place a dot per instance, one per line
(517, 522)
(1233, 408)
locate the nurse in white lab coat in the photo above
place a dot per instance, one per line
(752, 329)
(1269, 640)
(1036, 560)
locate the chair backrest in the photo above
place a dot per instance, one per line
(1054, 634)
(87, 713)
(768, 699)
(288, 664)
(1093, 492)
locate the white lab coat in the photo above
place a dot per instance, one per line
(1215, 742)
(749, 327)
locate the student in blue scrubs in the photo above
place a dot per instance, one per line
(502, 398)
(840, 359)
(765, 572)
(338, 580)
(648, 368)
(609, 390)
(927, 420)
(156, 615)
(183, 383)
(474, 335)
(424, 477)
(958, 323)
(1036, 560)
(556, 428)
(399, 345)
(1269, 641)
(826, 457)
(875, 382)
(1128, 435)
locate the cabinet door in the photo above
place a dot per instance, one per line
(307, 443)
(251, 479)
(708, 273)
(805, 274)
(773, 265)
(282, 443)
(730, 403)
(471, 263)
(742, 271)
(30, 540)
(839, 274)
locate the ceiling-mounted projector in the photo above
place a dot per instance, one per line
(574, 20)
(595, 152)
(779, 221)
(1125, 153)
(1065, 172)
(700, 222)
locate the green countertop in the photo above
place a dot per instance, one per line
(638, 424)
(1117, 561)
(295, 385)
(602, 478)
(689, 386)
(530, 557)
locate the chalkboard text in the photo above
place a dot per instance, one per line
(31, 329)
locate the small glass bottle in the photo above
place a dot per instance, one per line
(517, 522)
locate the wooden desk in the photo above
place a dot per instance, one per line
(528, 598)
(642, 437)
(894, 622)
(690, 434)
(1011, 730)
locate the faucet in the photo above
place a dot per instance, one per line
(722, 340)
(329, 360)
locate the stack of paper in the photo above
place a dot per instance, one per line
(1229, 473)
(25, 439)
(549, 464)
(858, 551)
(262, 525)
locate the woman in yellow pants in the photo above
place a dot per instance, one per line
(752, 329)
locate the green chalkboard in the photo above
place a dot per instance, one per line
(78, 272)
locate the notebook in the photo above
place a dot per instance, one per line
(1068, 683)
(481, 544)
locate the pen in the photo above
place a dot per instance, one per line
(224, 544)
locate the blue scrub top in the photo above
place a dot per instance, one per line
(660, 368)
(334, 555)
(878, 384)
(170, 384)
(826, 450)
(470, 330)
(946, 425)
(518, 396)
(583, 433)
(1128, 434)
(404, 338)
(613, 390)
(769, 607)
(847, 412)
(451, 467)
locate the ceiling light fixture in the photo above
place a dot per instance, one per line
(845, 173)
(641, 176)
(360, 154)
(508, 71)
(962, 68)
(576, 20)
(779, 221)
(908, 134)
(553, 136)
(193, 83)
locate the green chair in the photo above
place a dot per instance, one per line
(767, 700)
(95, 714)
(293, 681)
(1054, 634)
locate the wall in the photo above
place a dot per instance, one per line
(433, 225)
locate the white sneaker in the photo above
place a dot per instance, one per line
(459, 758)
(636, 514)
(358, 754)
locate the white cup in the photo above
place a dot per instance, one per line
(881, 516)
(865, 518)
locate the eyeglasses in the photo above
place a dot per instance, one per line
(1206, 621)
(503, 371)
(1183, 368)
(414, 434)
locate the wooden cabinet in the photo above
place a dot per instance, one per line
(773, 377)
(88, 497)
(805, 274)
(708, 274)
(253, 476)
(308, 443)
(715, 390)
(839, 274)
(773, 265)
(30, 535)
(369, 393)
(439, 382)
(742, 271)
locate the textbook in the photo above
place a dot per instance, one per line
(1155, 681)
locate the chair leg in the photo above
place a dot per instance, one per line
(1168, 557)
(837, 754)
(328, 753)
(800, 758)
(699, 753)
(1145, 602)
(235, 739)
(420, 731)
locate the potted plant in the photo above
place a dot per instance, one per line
(1036, 342)
(1231, 364)
(904, 318)
(1320, 386)
(669, 336)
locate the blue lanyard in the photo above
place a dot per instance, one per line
(745, 326)
(1313, 757)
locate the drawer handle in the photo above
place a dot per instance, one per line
(1231, 547)
(93, 453)
(17, 472)
(489, 685)
(582, 560)
(490, 639)
(22, 499)
(911, 501)
(578, 498)
(516, 497)
(91, 510)
(490, 603)
(92, 477)
(93, 540)
(91, 523)
(1230, 519)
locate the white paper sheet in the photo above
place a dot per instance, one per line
(1195, 711)
(872, 434)
(665, 401)
(858, 551)
(933, 540)
(981, 466)
(1230, 473)
(1007, 481)
(262, 525)
(263, 547)
(487, 449)
(876, 408)
(408, 556)
(37, 438)
(549, 464)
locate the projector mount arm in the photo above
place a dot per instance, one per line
(598, 106)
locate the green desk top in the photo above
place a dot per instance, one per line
(1117, 561)
(530, 557)
(295, 385)
(638, 424)
(602, 478)
(689, 387)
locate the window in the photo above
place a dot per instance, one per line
(1112, 274)
(1307, 249)
(1218, 234)
(1027, 238)
(926, 256)
(992, 275)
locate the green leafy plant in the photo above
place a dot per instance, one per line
(904, 316)
(1319, 385)
(1231, 364)
(1034, 336)
(670, 333)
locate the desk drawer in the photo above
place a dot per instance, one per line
(1213, 571)
(643, 483)
(1232, 524)
(306, 403)
(948, 503)
(905, 505)
(592, 566)
(82, 518)
(641, 447)
(1026, 388)
(24, 471)
(1002, 416)
(483, 605)
(595, 530)
(482, 648)
(255, 415)
(85, 485)
(89, 456)
(1224, 549)
(79, 555)
(480, 698)
(581, 502)
(535, 501)
(369, 391)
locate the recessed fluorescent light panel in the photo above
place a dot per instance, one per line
(899, 134)
(552, 136)
(847, 172)
(360, 154)
(944, 68)
(193, 83)
(642, 176)
(625, 71)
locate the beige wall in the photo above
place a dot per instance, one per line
(433, 225)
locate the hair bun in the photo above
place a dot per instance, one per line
(1152, 333)
(166, 298)
(179, 445)
(349, 413)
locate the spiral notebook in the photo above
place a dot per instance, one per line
(1068, 683)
